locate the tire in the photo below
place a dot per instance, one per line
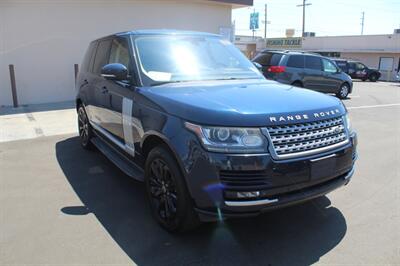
(297, 84)
(373, 78)
(343, 91)
(168, 197)
(84, 128)
(364, 79)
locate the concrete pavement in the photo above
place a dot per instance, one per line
(63, 205)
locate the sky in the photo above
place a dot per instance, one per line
(324, 17)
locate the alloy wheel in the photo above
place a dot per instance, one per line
(344, 91)
(83, 124)
(163, 191)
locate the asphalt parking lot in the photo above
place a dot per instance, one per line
(66, 206)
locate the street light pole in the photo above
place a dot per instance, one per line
(304, 15)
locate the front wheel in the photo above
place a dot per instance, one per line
(343, 91)
(168, 196)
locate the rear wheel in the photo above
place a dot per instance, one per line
(85, 130)
(343, 91)
(168, 196)
(373, 77)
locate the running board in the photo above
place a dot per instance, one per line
(118, 159)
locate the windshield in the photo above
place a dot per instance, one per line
(190, 58)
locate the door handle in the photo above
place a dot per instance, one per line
(104, 90)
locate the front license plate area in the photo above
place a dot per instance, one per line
(323, 168)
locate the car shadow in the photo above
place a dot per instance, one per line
(298, 235)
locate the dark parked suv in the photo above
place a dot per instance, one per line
(358, 70)
(306, 70)
(210, 137)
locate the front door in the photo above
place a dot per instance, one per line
(119, 120)
(331, 80)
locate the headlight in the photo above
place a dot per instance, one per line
(348, 123)
(230, 139)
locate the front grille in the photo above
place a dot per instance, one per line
(289, 141)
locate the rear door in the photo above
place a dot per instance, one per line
(99, 92)
(294, 68)
(313, 75)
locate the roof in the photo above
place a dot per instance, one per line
(150, 32)
(161, 32)
(288, 52)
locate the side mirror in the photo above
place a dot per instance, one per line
(258, 66)
(114, 71)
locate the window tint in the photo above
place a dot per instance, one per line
(313, 62)
(101, 55)
(120, 52)
(296, 61)
(329, 66)
(88, 57)
(268, 59)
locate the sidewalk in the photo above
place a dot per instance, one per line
(33, 121)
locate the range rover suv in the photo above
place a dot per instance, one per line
(211, 138)
(307, 70)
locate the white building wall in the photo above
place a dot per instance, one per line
(45, 38)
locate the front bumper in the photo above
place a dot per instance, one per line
(217, 182)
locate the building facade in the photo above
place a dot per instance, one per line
(44, 39)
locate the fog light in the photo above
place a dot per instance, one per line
(247, 194)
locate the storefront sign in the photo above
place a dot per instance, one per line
(284, 43)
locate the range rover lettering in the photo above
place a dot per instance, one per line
(210, 137)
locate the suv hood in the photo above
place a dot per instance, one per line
(242, 103)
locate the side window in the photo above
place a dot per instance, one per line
(101, 55)
(120, 53)
(360, 66)
(329, 66)
(86, 63)
(296, 61)
(313, 62)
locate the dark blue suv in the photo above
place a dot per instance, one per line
(210, 137)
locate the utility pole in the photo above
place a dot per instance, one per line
(362, 23)
(265, 24)
(304, 15)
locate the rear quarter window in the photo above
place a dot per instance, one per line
(268, 59)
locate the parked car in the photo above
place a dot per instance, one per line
(192, 117)
(358, 70)
(306, 70)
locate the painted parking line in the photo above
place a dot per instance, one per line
(373, 106)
